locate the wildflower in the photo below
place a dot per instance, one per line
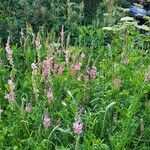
(55, 68)
(10, 96)
(9, 52)
(60, 70)
(58, 47)
(79, 78)
(78, 128)
(117, 82)
(45, 68)
(77, 125)
(92, 73)
(78, 66)
(85, 76)
(82, 55)
(28, 107)
(38, 41)
(33, 66)
(67, 55)
(49, 95)
(46, 121)
(75, 68)
(11, 85)
(33, 78)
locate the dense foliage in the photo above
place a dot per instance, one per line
(51, 14)
(68, 83)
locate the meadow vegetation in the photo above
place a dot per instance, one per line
(70, 84)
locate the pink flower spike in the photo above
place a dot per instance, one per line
(117, 82)
(78, 128)
(78, 66)
(60, 70)
(49, 95)
(46, 121)
(33, 66)
(73, 70)
(28, 108)
(9, 52)
(11, 95)
(93, 73)
(45, 68)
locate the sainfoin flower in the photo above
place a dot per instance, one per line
(33, 78)
(11, 95)
(92, 72)
(45, 68)
(60, 70)
(75, 68)
(33, 66)
(49, 95)
(78, 127)
(28, 107)
(9, 52)
(46, 121)
(117, 82)
(38, 41)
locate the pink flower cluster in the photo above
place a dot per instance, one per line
(75, 68)
(90, 73)
(9, 52)
(58, 47)
(46, 121)
(50, 65)
(117, 82)
(11, 96)
(78, 127)
(45, 68)
(34, 68)
(28, 107)
(38, 42)
(34, 85)
(49, 95)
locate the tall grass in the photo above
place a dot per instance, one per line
(93, 94)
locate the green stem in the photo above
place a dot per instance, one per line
(77, 143)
